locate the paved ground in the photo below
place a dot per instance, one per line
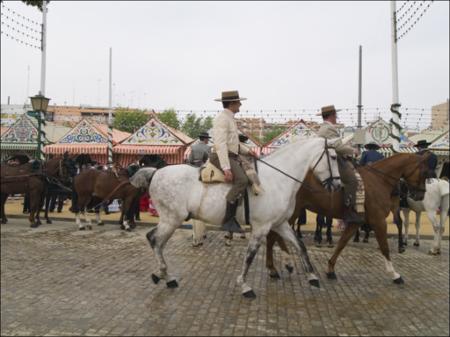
(56, 280)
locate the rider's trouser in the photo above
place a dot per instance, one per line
(240, 180)
(348, 178)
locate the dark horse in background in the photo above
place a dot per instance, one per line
(34, 178)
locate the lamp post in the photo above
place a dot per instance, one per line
(40, 105)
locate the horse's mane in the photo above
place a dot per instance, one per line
(383, 161)
(281, 151)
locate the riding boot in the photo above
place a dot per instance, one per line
(230, 223)
(351, 217)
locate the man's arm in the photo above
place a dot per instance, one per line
(220, 137)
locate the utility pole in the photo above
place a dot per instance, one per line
(110, 147)
(360, 88)
(396, 116)
(43, 46)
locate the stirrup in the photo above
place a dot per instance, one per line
(232, 226)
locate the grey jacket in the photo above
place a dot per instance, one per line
(330, 131)
(199, 154)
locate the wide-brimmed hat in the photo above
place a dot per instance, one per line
(230, 96)
(328, 110)
(422, 143)
(372, 145)
(204, 135)
(242, 138)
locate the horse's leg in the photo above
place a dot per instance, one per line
(3, 201)
(125, 211)
(356, 238)
(98, 219)
(398, 223)
(157, 238)
(437, 231)
(318, 232)
(35, 207)
(273, 238)
(48, 198)
(366, 233)
(343, 240)
(405, 212)
(381, 236)
(287, 234)
(329, 223)
(253, 245)
(417, 242)
(443, 218)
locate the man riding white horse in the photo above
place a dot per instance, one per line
(328, 130)
(225, 155)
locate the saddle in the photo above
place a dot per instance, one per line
(209, 174)
(360, 194)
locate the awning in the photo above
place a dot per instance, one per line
(146, 149)
(18, 146)
(76, 148)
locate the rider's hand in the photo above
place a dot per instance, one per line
(228, 176)
(253, 154)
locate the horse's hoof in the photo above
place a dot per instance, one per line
(401, 250)
(155, 279)
(366, 240)
(81, 228)
(122, 227)
(4, 221)
(314, 283)
(434, 253)
(249, 294)
(405, 243)
(355, 240)
(399, 280)
(172, 284)
(101, 223)
(34, 225)
(318, 245)
(332, 276)
(129, 229)
(289, 268)
(330, 245)
(416, 244)
(49, 221)
(274, 275)
(89, 227)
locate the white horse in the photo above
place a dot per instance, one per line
(178, 195)
(436, 197)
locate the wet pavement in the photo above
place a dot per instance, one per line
(56, 280)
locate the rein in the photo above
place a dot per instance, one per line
(395, 179)
(306, 185)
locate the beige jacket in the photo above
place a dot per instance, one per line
(225, 137)
(329, 131)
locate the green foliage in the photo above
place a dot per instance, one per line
(34, 3)
(274, 132)
(129, 120)
(194, 125)
(170, 118)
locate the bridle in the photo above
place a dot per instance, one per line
(395, 179)
(328, 182)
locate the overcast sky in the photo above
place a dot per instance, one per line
(280, 55)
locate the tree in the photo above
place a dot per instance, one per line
(129, 120)
(170, 118)
(194, 125)
(274, 132)
(35, 3)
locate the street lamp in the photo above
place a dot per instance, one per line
(40, 105)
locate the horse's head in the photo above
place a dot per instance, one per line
(142, 178)
(63, 169)
(325, 166)
(416, 175)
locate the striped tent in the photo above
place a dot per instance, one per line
(154, 137)
(86, 137)
(296, 132)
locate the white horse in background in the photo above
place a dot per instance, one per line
(178, 194)
(436, 198)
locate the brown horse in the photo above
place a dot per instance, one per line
(380, 179)
(32, 178)
(94, 187)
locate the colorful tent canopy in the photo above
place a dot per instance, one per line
(154, 137)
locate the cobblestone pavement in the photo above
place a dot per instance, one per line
(56, 280)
